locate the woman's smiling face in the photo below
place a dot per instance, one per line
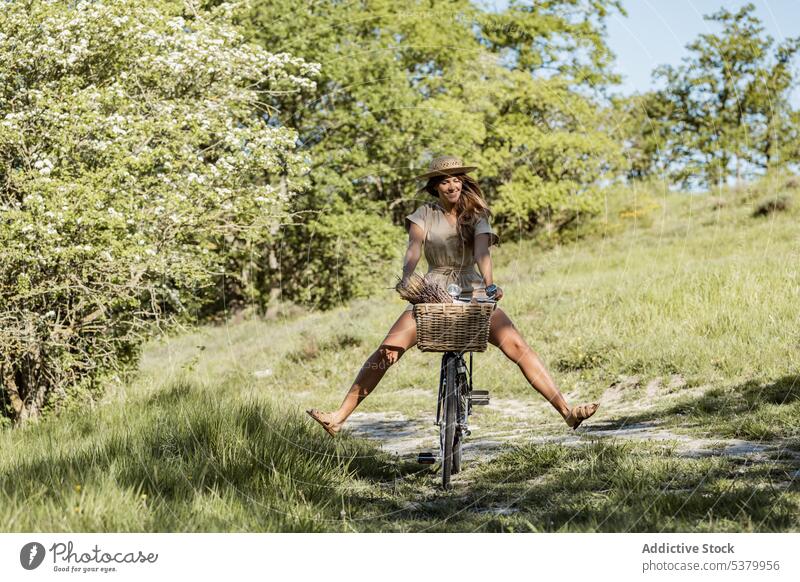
(449, 189)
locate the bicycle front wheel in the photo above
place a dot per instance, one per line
(461, 414)
(447, 427)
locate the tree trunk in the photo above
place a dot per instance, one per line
(274, 264)
(24, 387)
(11, 392)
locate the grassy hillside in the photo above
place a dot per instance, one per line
(677, 312)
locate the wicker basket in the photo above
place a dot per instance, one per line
(452, 327)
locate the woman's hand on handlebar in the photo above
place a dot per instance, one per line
(494, 292)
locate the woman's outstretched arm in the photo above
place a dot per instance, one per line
(414, 250)
(484, 261)
(483, 258)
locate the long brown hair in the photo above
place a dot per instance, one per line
(470, 207)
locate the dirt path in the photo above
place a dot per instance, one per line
(406, 437)
(519, 422)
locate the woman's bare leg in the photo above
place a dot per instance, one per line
(401, 336)
(505, 336)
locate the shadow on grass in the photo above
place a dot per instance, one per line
(183, 447)
(206, 464)
(604, 486)
(752, 410)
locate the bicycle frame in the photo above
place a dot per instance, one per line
(442, 368)
(454, 403)
(460, 356)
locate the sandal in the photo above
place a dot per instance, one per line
(580, 413)
(319, 416)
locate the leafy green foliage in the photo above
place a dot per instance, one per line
(132, 145)
(514, 92)
(346, 253)
(724, 113)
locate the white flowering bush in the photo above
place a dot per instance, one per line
(134, 146)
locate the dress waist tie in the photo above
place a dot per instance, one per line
(451, 272)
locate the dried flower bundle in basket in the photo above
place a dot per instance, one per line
(417, 289)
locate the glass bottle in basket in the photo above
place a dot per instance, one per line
(454, 291)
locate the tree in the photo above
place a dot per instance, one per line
(724, 112)
(132, 147)
(401, 82)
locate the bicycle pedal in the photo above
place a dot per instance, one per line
(426, 459)
(479, 397)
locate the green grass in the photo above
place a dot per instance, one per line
(183, 459)
(602, 486)
(684, 308)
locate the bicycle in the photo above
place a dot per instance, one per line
(454, 333)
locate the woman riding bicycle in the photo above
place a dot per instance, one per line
(455, 233)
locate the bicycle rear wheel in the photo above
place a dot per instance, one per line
(447, 426)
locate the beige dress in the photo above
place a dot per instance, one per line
(450, 260)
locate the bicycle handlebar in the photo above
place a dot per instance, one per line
(476, 300)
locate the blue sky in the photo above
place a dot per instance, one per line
(657, 31)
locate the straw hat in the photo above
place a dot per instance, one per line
(445, 166)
